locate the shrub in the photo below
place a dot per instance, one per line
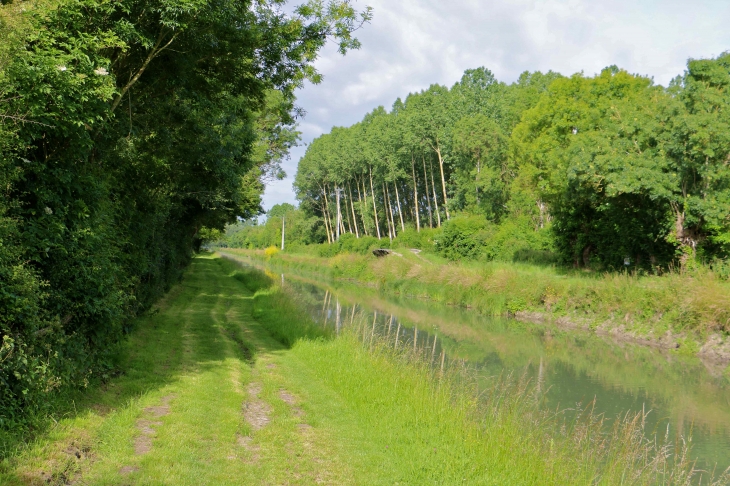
(271, 251)
(536, 257)
(423, 240)
(464, 237)
(721, 268)
(349, 243)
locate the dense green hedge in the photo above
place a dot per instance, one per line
(126, 129)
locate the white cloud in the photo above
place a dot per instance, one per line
(412, 44)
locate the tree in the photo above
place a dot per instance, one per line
(596, 145)
(698, 144)
(483, 175)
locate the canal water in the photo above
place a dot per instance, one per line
(685, 397)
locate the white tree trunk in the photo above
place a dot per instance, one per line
(415, 196)
(443, 181)
(339, 213)
(363, 203)
(329, 216)
(428, 197)
(352, 206)
(388, 212)
(400, 212)
(324, 215)
(375, 209)
(435, 199)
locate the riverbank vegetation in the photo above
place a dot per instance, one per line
(391, 417)
(674, 311)
(604, 173)
(127, 127)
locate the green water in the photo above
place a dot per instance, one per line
(684, 396)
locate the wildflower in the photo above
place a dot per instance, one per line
(61, 68)
(48, 210)
(101, 71)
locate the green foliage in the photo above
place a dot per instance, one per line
(464, 237)
(619, 163)
(348, 243)
(300, 229)
(617, 168)
(131, 132)
(422, 240)
(482, 177)
(474, 237)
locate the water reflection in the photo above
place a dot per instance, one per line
(682, 394)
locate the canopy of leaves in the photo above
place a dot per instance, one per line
(616, 168)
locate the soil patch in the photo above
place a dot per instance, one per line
(146, 428)
(142, 445)
(246, 443)
(256, 411)
(290, 400)
(128, 470)
(162, 409)
(143, 442)
(287, 397)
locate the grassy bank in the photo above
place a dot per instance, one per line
(675, 310)
(229, 383)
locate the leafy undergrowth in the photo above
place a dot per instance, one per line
(697, 302)
(231, 383)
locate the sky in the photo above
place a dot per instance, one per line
(411, 44)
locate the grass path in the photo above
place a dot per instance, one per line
(193, 407)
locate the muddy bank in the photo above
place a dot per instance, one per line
(714, 351)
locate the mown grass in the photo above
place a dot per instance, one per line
(197, 354)
(356, 410)
(696, 303)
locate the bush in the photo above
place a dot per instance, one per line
(474, 237)
(516, 239)
(536, 257)
(423, 240)
(349, 243)
(271, 251)
(721, 268)
(464, 236)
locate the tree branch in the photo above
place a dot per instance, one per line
(156, 50)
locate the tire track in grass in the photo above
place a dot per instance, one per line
(196, 446)
(175, 417)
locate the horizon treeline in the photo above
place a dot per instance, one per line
(601, 171)
(125, 128)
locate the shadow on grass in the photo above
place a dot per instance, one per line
(180, 336)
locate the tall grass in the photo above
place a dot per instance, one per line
(428, 423)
